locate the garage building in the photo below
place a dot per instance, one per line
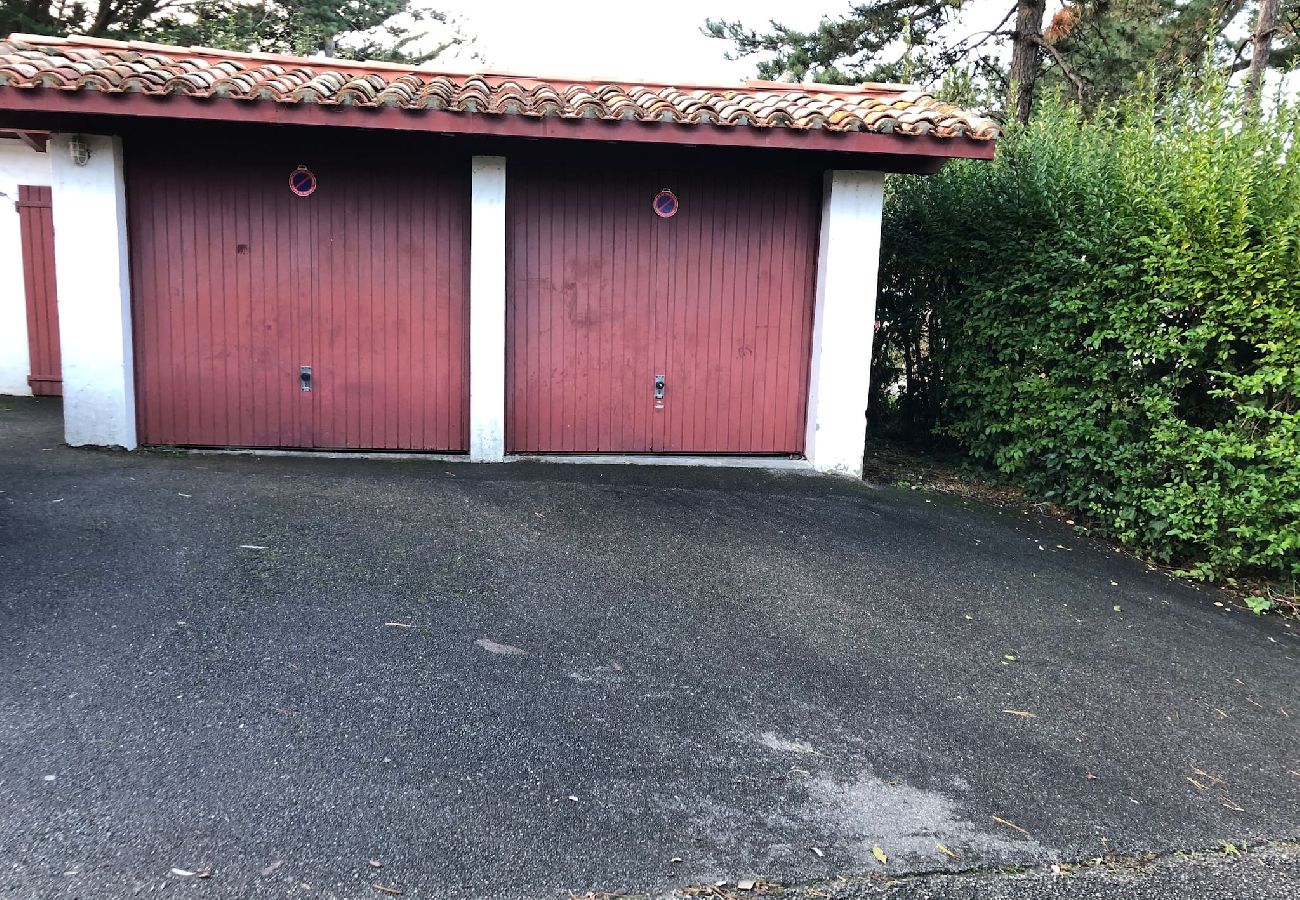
(258, 251)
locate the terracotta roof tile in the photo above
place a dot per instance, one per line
(80, 63)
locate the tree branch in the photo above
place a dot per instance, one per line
(1064, 66)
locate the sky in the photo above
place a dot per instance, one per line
(657, 40)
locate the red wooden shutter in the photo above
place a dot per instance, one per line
(36, 221)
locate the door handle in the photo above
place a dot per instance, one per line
(304, 379)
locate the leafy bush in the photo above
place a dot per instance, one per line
(1109, 313)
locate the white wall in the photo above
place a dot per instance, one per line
(19, 164)
(487, 309)
(90, 259)
(844, 320)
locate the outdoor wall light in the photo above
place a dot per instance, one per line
(78, 150)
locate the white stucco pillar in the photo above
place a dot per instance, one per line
(487, 309)
(90, 260)
(844, 320)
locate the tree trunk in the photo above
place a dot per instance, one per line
(1025, 59)
(1261, 46)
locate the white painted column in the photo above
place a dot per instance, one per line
(844, 320)
(487, 309)
(90, 260)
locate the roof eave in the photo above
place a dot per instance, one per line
(57, 102)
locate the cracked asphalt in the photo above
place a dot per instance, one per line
(320, 678)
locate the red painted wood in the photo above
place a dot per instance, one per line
(237, 283)
(192, 109)
(602, 295)
(36, 223)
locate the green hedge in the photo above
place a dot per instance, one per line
(1110, 314)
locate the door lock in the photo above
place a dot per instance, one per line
(659, 387)
(304, 379)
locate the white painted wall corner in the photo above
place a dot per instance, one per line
(90, 259)
(19, 164)
(844, 320)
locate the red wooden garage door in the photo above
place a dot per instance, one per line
(604, 296)
(237, 284)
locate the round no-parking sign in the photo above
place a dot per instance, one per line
(302, 181)
(665, 204)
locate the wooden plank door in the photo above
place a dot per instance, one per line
(221, 313)
(238, 284)
(391, 312)
(36, 222)
(603, 296)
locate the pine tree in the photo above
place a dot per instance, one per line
(392, 30)
(1091, 50)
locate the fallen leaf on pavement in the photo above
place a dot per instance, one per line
(1011, 825)
(880, 855)
(1020, 712)
(817, 850)
(186, 873)
(500, 649)
(946, 852)
(376, 864)
(267, 870)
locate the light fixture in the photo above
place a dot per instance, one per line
(78, 150)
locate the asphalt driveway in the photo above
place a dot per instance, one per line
(530, 680)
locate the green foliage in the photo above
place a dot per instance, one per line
(879, 40)
(1112, 45)
(1091, 50)
(389, 30)
(1109, 314)
(1259, 605)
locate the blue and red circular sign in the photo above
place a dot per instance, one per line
(302, 181)
(665, 204)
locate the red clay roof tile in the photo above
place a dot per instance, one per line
(80, 63)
